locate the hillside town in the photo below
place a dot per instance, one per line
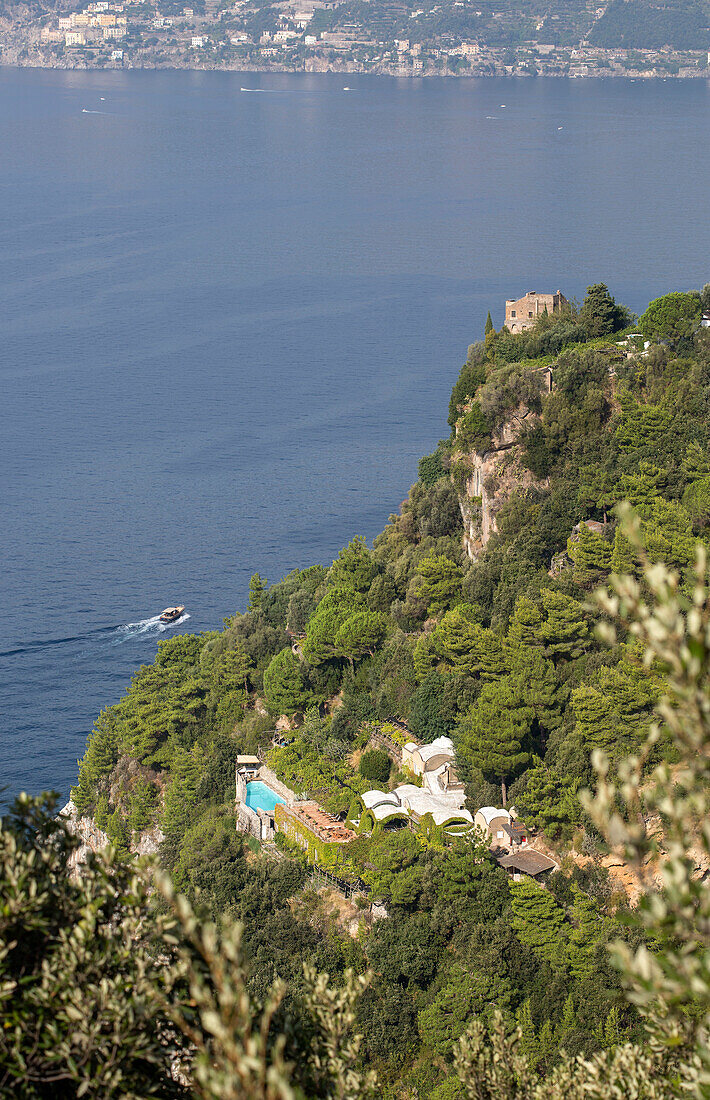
(327, 35)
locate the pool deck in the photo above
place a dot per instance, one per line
(259, 823)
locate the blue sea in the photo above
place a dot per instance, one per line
(232, 307)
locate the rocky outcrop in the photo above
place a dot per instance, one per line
(494, 476)
(93, 839)
(149, 841)
(90, 837)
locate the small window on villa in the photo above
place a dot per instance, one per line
(500, 834)
(513, 313)
(529, 313)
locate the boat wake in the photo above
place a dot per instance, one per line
(47, 643)
(104, 635)
(146, 626)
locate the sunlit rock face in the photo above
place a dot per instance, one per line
(495, 475)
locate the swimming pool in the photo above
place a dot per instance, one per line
(261, 797)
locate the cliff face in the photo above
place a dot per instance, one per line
(93, 839)
(494, 476)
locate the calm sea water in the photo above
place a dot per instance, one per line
(231, 311)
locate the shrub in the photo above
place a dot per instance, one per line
(375, 765)
(474, 433)
(434, 466)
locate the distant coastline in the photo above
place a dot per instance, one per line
(288, 38)
(450, 38)
(342, 68)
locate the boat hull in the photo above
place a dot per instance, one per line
(171, 614)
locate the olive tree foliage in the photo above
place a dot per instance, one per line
(104, 993)
(336, 1050)
(670, 987)
(491, 1065)
(227, 1040)
(234, 1054)
(78, 976)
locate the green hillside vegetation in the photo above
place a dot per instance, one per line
(684, 24)
(502, 654)
(640, 25)
(112, 985)
(623, 24)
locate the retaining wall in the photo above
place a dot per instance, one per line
(248, 821)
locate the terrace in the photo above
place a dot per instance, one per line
(322, 824)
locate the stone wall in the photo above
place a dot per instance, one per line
(256, 823)
(248, 821)
(380, 740)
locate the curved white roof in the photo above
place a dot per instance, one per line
(384, 810)
(378, 798)
(404, 791)
(488, 813)
(421, 801)
(426, 752)
(411, 746)
(444, 742)
(442, 816)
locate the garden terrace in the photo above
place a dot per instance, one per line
(322, 824)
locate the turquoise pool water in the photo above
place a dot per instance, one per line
(261, 797)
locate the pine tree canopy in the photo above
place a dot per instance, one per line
(537, 919)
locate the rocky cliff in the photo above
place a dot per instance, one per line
(490, 478)
(93, 839)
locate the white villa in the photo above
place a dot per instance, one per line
(408, 802)
(508, 841)
(435, 764)
(501, 828)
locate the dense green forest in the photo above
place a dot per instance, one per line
(503, 654)
(683, 24)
